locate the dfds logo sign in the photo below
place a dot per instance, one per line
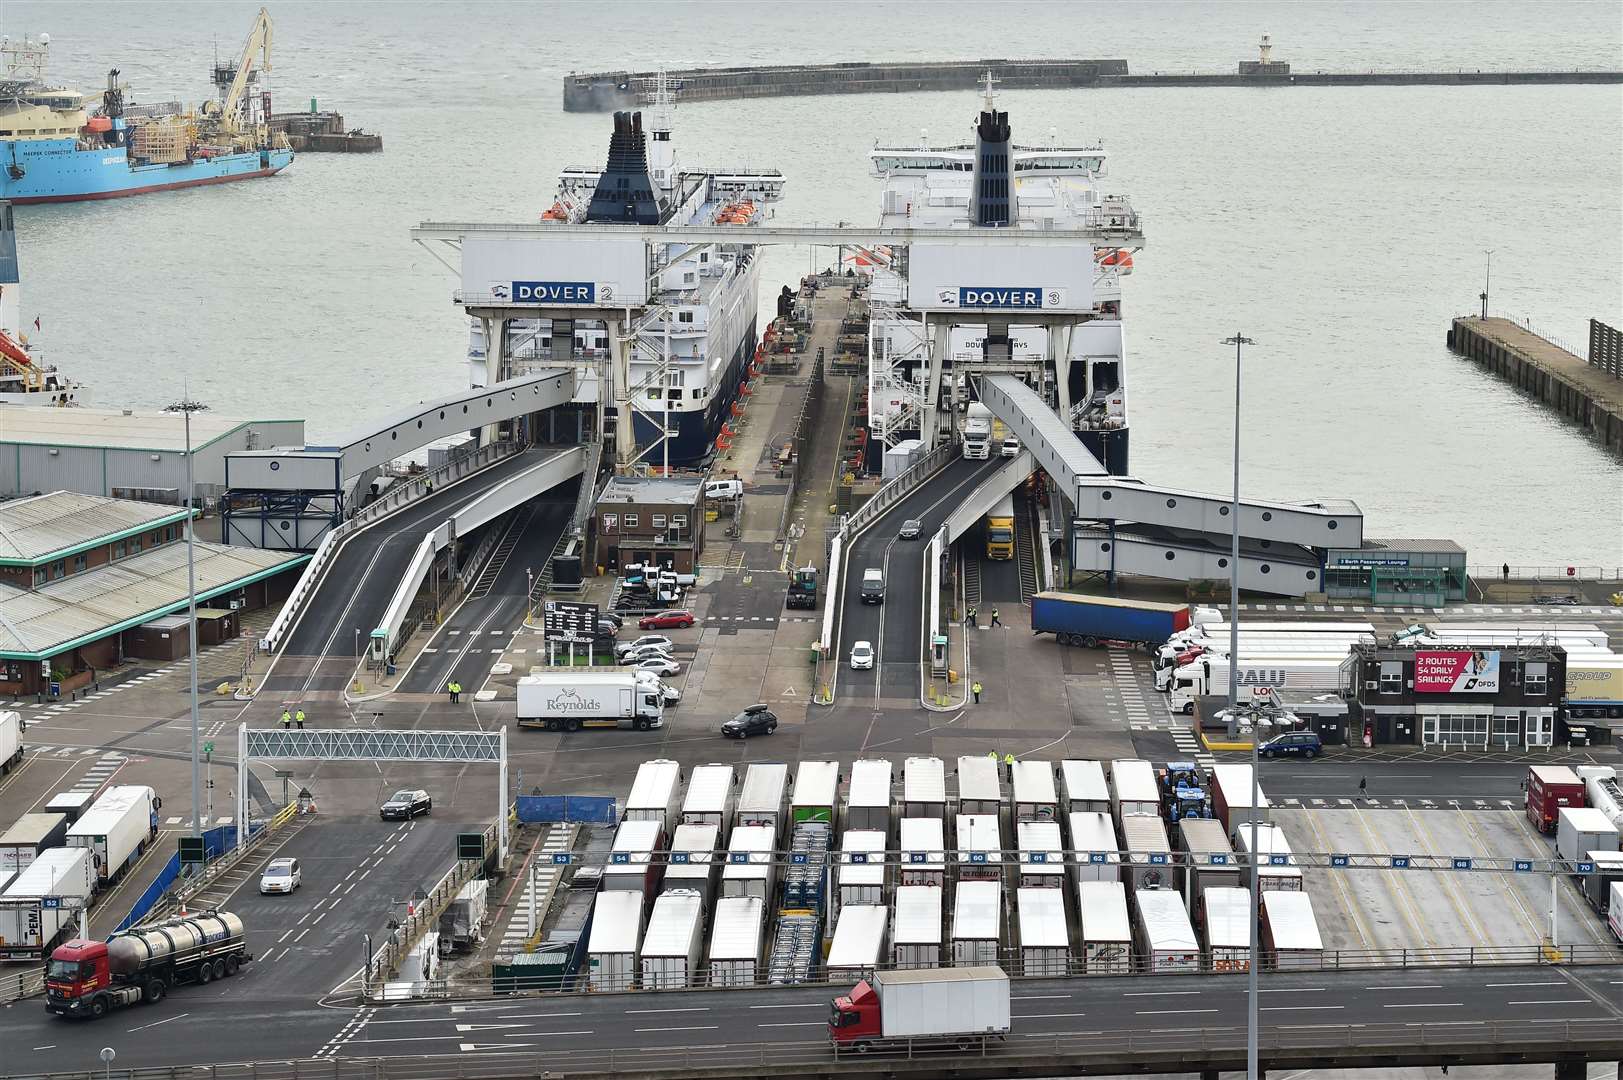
(554, 292)
(1015, 298)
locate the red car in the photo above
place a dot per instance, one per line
(665, 620)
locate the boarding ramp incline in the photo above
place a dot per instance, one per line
(1149, 551)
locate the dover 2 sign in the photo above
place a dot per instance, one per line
(1456, 671)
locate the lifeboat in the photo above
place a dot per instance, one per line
(557, 213)
(1120, 258)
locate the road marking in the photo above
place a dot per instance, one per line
(702, 1027)
(1298, 990)
(1048, 1016)
(1556, 1001)
(300, 938)
(794, 1023)
(379, 848)
(155, 1023)
(284, 936)
(335, 888)
(1297, 1008)
(1040, 997)
(1408, 986)
(48, 1046)
(699, 1008)
(1159, 993)
(1427, 1005)
(335, 903)
(793, 1005)
(487, 1027)
(1557, 982)
(1171, 1012)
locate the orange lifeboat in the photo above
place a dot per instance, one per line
(557, 213)
(1120, 258)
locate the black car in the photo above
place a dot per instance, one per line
(406, 804)
(755, 720)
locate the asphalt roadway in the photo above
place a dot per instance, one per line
(198, 1025)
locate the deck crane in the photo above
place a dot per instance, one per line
(228, 111)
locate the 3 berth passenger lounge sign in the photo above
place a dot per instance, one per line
(1456, 671)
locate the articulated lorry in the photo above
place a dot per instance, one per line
(45, 902)
(11, 741)
(977, 434)
(116, 830)
(86, 979)
(966, 1007)
(1106, 620)
(1210, 675)
(571, 700)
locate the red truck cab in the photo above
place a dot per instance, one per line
(1549, 788)
(76, 970)
(855, 1016)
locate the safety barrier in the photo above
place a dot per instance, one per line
(1552, 575)
(555, 808)
(22, 984)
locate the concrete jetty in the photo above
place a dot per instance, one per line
(1585, 393)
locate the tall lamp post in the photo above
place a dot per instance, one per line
(1238, 341)
(186, 407)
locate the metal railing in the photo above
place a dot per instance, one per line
(1552, 575)
(22, 984)
(1554, 339)
(385, 962)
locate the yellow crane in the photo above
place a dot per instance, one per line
(227, 112)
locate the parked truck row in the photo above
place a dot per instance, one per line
(1581, 808)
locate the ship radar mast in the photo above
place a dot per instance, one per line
(662, 152)
(989, 90)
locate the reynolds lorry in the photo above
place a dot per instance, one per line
(117, 829)
(571, 700)
(1106, 620)
(965, 1007)
(44, 903)
(85, 979)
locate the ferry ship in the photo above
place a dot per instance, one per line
(689, 353)
(25, 379)
(1054, 187)
(53, 149)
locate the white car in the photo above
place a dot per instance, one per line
(645, 652)
(656, 640)
(279, 876)
(671, 694)
(1010, 448)
(663, 666)
(862, 656)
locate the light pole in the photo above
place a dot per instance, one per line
(1238, 341)
(186, 407)
(1487, 279)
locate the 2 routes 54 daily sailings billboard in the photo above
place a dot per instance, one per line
(1456, 671)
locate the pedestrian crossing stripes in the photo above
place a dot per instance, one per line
(1185, 741)
(100, 772)
(539, 887)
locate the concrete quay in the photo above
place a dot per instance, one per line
(1578, 391)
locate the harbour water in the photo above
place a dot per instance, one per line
(1341, 228)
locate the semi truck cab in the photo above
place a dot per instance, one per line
(855, 1016)
(79, 981)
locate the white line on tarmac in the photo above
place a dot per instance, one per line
(1408, 986)
(1037, 997)
(1297, 990)
(285, 934)
(1047, 1016)
(702, 1027)
(699, 1008)
(1427, 1005)
(1557, 982)
(1298, 1008)
(796, 1023)
(1161, 993)
(1556, 1001)
(155, 1023)
(793, 1005)
(1171, 1012)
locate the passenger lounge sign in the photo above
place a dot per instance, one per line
(1456, 671)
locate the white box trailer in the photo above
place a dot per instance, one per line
(915, 935)
(28, 836)
(1133, 789)
(1105, 929)
(11, 741)
(1272, 847)
(1580, 830)
(710, 789)
(1045, 936)
(28, 929)
(924, 788)
(1095, 854)
(1165, 938)
(1036, 798)
(980, 847)
(611, 950)
(816, 794)
(966, 1005)
(980, 787)
(862, 867)
(116, 829)
(1231, 797)
(1083, 787)
(1042, 854)
(71, 803)
(1144, 838)
(1225, 920)
(1614, 911)
(764, 798)
(750, 869)
(977, 922)
(1211, 858)
(858, 949)
(867, 804)
(1290, 930)
(735, 941)
(653, 793)
(672, 943)
(693, 861)
(923, 852)
(632, 865)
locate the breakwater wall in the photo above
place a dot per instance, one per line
(603, 91)
(1583, 393)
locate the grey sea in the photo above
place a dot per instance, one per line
(1339, 227)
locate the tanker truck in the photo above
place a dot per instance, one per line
(86, 979)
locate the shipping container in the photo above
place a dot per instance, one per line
(1042, 854)
(28, 836)
(858, 949)
(862, 867)
(916, 927)
(977, 922)
(1276, 869)
(923, 852)
(1211, 858)
(693, 861)
(816, 795)
(611, 950)
(1045, 936)
(980, 787)
(750, 869)
(1095, 851)
(1133, 789)
(1083, 786)
(765, 796)
(1166, 940)
(980, 847)
(1225, 921)
(116, 829)
(654, 793)
(924, 788)
(867, 806)
(1035, 797)
(1105, 931)
(1583, 829)
(1231, 797)
(1149, 859)
(1290, 931)
(673, 940)
(29, 929)
(632, 863)
(710, 789)
(1549, 788)
(735, 941)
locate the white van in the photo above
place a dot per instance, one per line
(723, 489)
(1010, 447)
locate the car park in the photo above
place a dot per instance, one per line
(755, 720)
(664, 620)
(910, 529)
(662, 666)
(1306, 744)
(406, 804)
(862, 656)
(280, 876)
